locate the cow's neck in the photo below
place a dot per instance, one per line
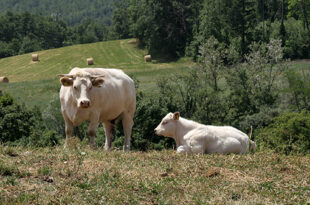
(183, 127)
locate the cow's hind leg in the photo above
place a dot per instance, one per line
(127, 127)
(183, 149)
(109, 130)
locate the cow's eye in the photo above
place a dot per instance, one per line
(165, 122)
(75, 87)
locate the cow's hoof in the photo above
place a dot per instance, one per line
(126, 148)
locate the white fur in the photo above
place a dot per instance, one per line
(193, 137)
(114, 99)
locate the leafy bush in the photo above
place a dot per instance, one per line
(256, 83)
(15, 120)
(52, 116)
(149, 114)
(18, 125)
(288, 133)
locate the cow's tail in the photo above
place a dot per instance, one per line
(252, 146)
(252, 143)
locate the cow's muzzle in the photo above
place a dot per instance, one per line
(156, 132)
(84, 104)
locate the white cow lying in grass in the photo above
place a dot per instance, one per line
(192, 137)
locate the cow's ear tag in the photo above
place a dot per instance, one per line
(65, 81)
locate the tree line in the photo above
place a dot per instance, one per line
(72, 12)
(168, 29)
(175, 28)
(25, 32)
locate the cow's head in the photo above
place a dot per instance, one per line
(167, 126)
(82, 87)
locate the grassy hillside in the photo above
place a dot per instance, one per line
(85, 176)
(35, 82)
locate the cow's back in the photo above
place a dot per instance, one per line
(225, 132)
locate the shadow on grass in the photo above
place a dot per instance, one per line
(157, 57)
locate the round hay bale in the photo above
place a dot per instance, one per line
(147, 58)
(35, 57)
(90, 61)
(4, 79)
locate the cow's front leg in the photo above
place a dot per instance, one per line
(92, 128)
(108, 129)
(69, 131)
(92, 133)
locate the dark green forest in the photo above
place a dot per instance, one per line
(179, 28)
(168, 29)
(73, 12)
(24, 33)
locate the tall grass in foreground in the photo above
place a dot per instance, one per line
(84, 176)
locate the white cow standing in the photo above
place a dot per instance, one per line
(101, 96)
(193, 137)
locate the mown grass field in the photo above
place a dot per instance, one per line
(84, 176)
(34, 83)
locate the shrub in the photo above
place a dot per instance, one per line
(149, 114)
(256, 83)
(288, 133)
(15, 120)
(21, 126)
(52, 116)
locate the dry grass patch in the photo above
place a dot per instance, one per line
(82, 175)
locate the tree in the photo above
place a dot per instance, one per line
(299, 9)
(212, 61)
(164, 27)
(255, 83)
(242, 21)
(228, 21)
(120, 20)
(22, 33)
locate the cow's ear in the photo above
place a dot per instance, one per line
(66, 81)
(97, 82)
(176, 115)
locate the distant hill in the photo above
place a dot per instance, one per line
(34, 83)
(71, 11)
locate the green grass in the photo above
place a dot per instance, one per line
(85, 176)
(34, 83)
